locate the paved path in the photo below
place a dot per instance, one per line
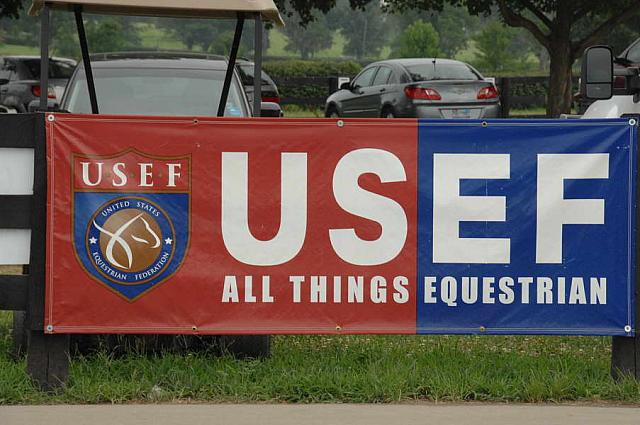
(418, 414)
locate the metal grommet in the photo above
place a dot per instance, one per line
(340, 123)
(483, 329)
(338, 328)
(632, 122)
(485, 124)
(49, 328)
(627, 329)
(51, 118)
(194, 328)
(195, 121)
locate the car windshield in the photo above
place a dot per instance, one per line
(441, 71)
(157, 92)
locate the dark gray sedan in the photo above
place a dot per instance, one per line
(416, 88)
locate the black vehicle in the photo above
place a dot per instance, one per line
(156, 83)
(20, 80)
(270, 91)
(424, 88)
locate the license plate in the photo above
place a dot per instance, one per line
(460, 113)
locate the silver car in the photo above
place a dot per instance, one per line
(416, 88)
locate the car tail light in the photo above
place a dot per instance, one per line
(273, 99)
(422, 93)
(489, 92)
(51, 93)
(620, 82)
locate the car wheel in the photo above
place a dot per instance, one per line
(388, 113)
(246, 346)
(332, 112)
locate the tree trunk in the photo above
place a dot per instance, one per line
(559, 94)
(561, 56)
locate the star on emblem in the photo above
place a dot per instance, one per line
(93, 241)
(168, 241)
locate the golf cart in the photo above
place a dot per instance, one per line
(25, 294)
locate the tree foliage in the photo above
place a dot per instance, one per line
(366, 31)
(419, 40)
(307, 39)
(501, 48)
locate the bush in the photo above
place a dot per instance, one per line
(311, 68)
(419, 40)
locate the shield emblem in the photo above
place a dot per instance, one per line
(131, 219)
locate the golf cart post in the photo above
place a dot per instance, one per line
(241, 10)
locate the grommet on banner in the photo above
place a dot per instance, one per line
(627, 329)
(340, 123)
(51, 118)
(338, 328)
(195, 121)
(632, 122)
(49, 328)
(485, 124)
(483, 329)
(194, 328)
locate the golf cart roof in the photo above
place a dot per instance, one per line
(169, 8)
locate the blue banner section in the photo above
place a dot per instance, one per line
(527, 227)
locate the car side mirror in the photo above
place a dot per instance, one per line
(597, 73)
(345, 86)
(270, 110)
(52, 106)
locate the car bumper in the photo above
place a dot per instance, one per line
(455, 111)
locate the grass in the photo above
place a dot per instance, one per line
(14, 49)
(358, 369)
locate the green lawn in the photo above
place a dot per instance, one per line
(14, 49)
(373, 369)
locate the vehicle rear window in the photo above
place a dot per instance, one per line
(634, 53)
(441, 71)
(157, 92)
(246, 75)
(57, 69)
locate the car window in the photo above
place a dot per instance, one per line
(57, 69)
(364, 79)
(157, 92)
(246, 75)
(442, 71)
(382, 77)
(634, 53)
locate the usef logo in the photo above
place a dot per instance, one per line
(131, 218)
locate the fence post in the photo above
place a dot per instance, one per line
(504, 94)
(625, 352)
(333, 85)
(47, 355)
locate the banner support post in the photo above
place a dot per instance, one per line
(625, 351)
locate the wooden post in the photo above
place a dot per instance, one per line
(625, 351)
(504, 96)
(48, 359)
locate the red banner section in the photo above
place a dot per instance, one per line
(221, 226)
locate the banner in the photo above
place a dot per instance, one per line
(259, 226)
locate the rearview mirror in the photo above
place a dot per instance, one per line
(597, 73)
(270, 110)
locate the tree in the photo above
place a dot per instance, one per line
(419, 40)
(501, 48)
(308, 39)
(366, 30)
